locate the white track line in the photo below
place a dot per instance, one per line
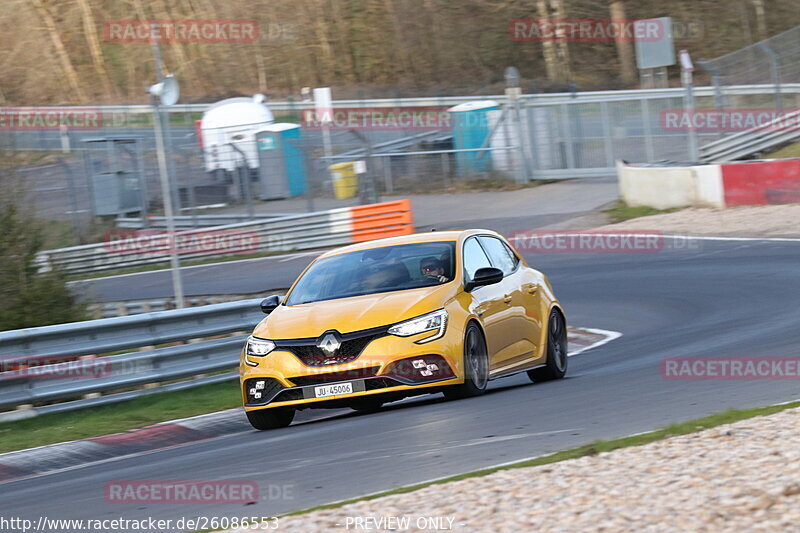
(609, 336)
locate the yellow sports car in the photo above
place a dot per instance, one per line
(378, 321)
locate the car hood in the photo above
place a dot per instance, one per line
(352, 314)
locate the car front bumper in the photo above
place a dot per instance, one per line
(388, 366)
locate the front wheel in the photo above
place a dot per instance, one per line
(556, 365)
(476, 366)
(270, 418)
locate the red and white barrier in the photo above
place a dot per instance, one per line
(713, 185)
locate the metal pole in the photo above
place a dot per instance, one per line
(526, 176)
(73, 200)
(166, 190)
(688, 103)
(776, 73)
(327, 148)
(370, 195)
(177, 282)
(244, 182)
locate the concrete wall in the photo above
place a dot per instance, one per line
(667, 187)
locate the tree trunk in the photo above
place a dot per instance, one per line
(185, 65)
(761, 19)
(90, 31)
(624, 48)
(61, 51)
(562, 44)
(548, 48)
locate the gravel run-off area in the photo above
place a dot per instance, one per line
(751, 221)
(738, 477)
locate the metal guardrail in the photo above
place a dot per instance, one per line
(137, 307)
(437, 101)
(749, 142)
(306, 231)
(79, 382)
(195, 221)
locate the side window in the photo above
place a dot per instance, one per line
(499, 253)
(512, 254)
(474, 257)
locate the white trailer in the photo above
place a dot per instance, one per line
(233, 121)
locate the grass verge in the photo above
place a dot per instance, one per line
(622, 212)
(594, 448)
(793, 150)
(132, 414)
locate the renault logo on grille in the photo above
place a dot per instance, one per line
(329, 343)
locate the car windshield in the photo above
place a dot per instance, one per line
(384, 269)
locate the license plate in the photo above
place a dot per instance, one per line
(333, 390)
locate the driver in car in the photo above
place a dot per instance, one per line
(432, 268)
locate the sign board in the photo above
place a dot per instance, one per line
(686, 61)
(323, 104)
(266, 143)
(654, 44)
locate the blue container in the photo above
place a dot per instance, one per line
(282, 172)
(470, 123)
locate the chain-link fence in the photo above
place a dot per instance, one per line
(775, 61)
(84, 179)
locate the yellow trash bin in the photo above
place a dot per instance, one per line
(345, 179)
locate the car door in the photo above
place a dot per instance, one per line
(519, 332)
(487, 302)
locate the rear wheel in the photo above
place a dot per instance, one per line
(476, 366)
(556, 365)
(270, 418)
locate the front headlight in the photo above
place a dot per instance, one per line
(436, 321)
(258, 347)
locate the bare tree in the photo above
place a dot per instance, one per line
(624, 46)
(90, 31)
(61, 50)
(761, 19)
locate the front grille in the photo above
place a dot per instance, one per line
(271, 388)
(351, 346)
(331, 377)
(380, 383)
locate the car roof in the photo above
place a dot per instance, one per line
(430, 236)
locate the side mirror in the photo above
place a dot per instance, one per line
(484, 276)
(270, 303)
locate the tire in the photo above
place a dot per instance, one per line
(557, 359)
(367, 406)
(264, 419)
(476, 366)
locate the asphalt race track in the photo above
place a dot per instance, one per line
(725, 298)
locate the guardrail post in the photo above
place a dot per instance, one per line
(608, 148)
(648, 133)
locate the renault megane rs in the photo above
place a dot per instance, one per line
(378, 321)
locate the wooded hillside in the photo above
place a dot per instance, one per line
(55, 51)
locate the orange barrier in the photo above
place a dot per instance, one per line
(386, 219)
